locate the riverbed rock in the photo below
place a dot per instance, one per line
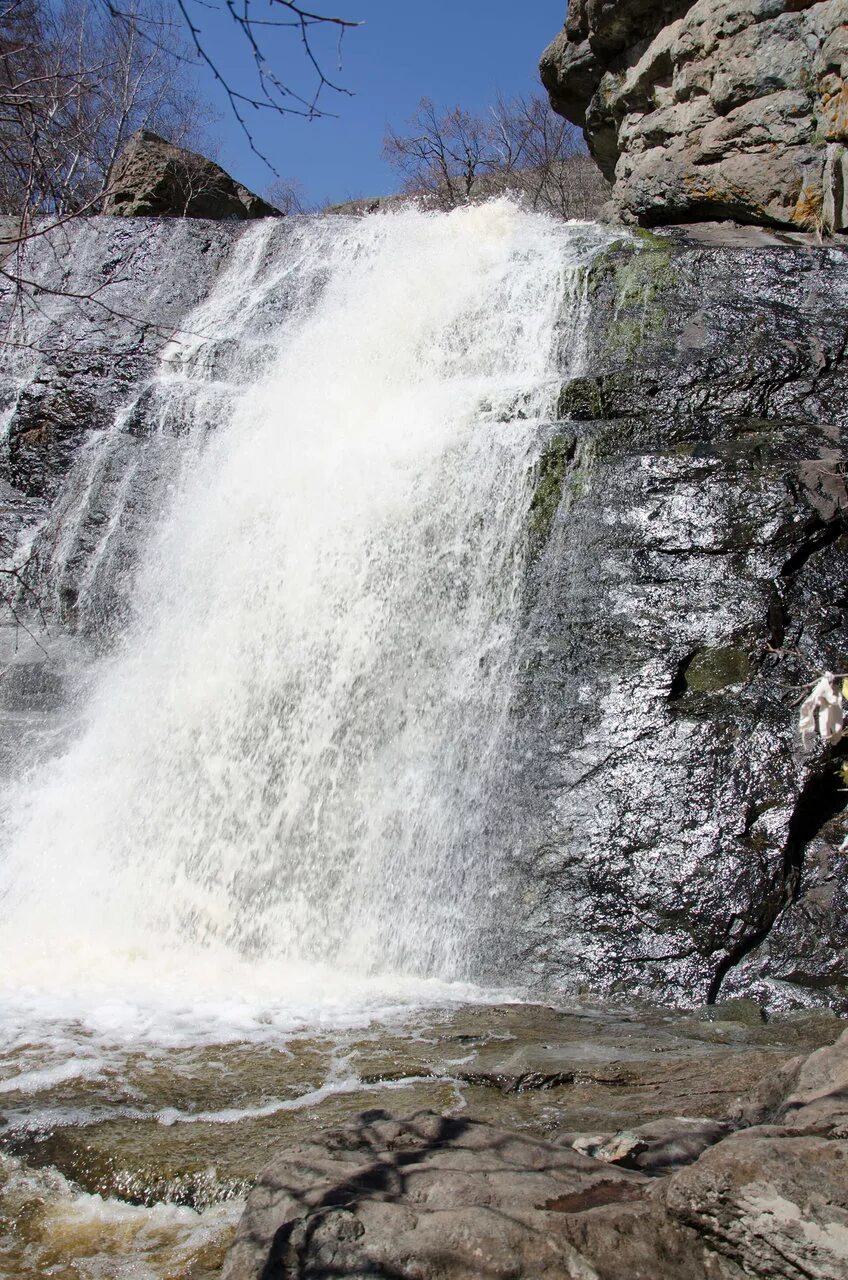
(655, 1147)
(664, 1078)
(774, 1198)
(155, 178)
(714, 109)
(428, 1196)
(434, 1196)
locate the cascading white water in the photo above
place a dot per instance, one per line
(287, 778)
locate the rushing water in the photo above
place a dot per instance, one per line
(285, 802)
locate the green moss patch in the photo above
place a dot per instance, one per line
(718, 668)
(552, 469)
(640, 275)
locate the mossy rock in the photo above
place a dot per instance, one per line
(718, 668)
(748, 1012)
(639, 274)
(552, 469)
(581, 399)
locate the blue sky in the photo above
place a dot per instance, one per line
(454, 51)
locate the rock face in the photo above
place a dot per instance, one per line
(714, 109)
(153, 178)
(454, 1198)
(677, 837)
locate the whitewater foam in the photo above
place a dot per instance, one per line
(288, 801)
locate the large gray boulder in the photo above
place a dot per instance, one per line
(714, 109)
(153, 178)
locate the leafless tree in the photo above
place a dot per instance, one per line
(520, 145)
(287, 195)
(445, 154)
(74, 84)
(77, 77)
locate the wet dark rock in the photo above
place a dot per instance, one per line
(711, 108)
(678, 839)
(155, 179)
(111, 294)
(105, 310)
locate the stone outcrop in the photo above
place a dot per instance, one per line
(453, 1198)
(155, 179)
(716, 109)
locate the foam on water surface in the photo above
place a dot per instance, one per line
(48, 1227)
(285, 802)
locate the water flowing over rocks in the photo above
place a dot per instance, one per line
(681, 575)
(715, 109)
(454, 1197)
(688, 528)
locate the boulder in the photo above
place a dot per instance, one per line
(773, 1198)
(155, 179)
(715, 109)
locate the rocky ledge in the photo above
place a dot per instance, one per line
(154, 178)
(764, 1194)
(715, 109)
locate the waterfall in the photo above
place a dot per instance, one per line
(294, 759)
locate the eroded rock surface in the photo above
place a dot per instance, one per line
(714, 109)
(154, 178)
(451, 1197)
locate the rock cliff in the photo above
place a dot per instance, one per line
(692, 581)
(715, 109)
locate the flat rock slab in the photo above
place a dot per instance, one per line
(421, 1197)
(434, 1196)
(552, 1074)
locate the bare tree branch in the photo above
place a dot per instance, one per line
(520, 146)
(269, 92)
